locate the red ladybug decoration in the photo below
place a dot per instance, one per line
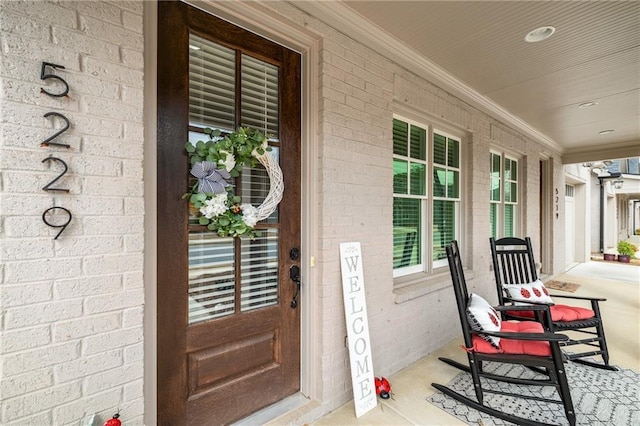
(383, 387)
(114, 421)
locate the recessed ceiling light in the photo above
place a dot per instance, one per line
(605, 132)
(540, 34)
(587, 104)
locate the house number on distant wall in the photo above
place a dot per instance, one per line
(56, 216)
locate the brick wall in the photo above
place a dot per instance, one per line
(72, 307)
(357, 177)
(359, 92)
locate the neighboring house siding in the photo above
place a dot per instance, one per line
(72, 308)
(584, 220)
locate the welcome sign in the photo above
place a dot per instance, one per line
(355, 309)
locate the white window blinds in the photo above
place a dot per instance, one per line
(260, 96)
(212, 83)
(211, 277)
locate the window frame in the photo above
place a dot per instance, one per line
(500, 214)
(427, 265)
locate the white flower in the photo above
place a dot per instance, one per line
(229, 161)
(214, 206)
(249, 215)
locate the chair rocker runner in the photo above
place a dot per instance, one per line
(523, 343)
(514, 269)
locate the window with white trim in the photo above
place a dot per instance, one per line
(426, 196)
(504, 214)
(446, 195)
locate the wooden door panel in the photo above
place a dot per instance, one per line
(221, 364)
(221, 368)
(228, 329)
(237, 399)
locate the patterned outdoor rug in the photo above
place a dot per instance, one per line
(562, 285)
(600, 397)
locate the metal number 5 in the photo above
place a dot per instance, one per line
(44, 76)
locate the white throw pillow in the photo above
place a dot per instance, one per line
(482, 317)
(529, 292)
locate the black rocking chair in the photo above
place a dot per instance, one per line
(525, 343)
(513, 263)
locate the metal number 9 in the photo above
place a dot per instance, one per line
(63, 226)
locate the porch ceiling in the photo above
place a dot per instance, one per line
(594, 56)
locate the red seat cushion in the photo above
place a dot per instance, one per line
(515, 347)
(560, 313)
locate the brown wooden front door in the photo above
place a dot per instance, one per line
(228, 338)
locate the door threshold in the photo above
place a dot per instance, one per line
(274, 411)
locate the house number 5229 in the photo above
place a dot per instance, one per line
(56, 216)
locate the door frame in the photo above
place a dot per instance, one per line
(259, 20)
(570, 224)
(546, 213)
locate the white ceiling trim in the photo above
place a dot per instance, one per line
(355, 26)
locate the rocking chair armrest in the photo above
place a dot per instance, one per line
(548, 337)
(593, 299)
(532, 307)
(542, 311)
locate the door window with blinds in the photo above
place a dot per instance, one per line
(229, 89)
(504, 197)
(426, 196)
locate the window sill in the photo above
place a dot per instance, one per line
(417, 285)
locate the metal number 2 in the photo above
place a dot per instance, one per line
(47, 142)
(47, 187)
(44, 76)
(63, 226)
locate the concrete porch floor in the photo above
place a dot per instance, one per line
(412, 385)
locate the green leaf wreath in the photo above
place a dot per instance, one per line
(214, 163)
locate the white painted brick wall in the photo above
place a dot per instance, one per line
(558, 223)
(72, 308)
(358, 89)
